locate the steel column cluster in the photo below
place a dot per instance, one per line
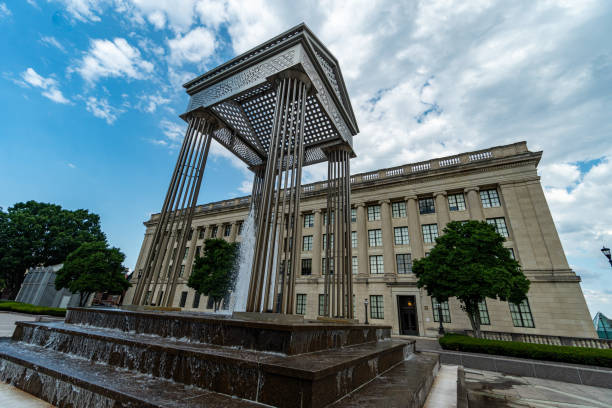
(338, 283)
(275, 260)
(175, 218)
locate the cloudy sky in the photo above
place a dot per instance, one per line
(91, 95)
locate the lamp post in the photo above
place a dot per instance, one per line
(365, 304)
(441, 328)
(606, 252)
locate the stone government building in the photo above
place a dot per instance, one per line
(396, 215)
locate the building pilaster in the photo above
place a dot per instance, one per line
(474, 206)
(362, 240)
(442, 213)
(387, 235)
(233, 232)
(414, 227)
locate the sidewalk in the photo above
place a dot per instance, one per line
(8, 319)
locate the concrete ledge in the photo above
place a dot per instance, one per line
(571, 373)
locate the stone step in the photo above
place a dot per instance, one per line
(313, 379)
(69, 382)
(280, 337)
(405, 385)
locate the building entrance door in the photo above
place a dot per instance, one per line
(408, 320)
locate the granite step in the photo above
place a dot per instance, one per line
(313, 379)
(406, 385)
(69, 382)
(281, 337)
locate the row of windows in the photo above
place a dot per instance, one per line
(456, 202)
(520, 313)
(401, 236)
(227, 231)
(377, 265)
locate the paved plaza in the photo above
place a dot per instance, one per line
(7, 322)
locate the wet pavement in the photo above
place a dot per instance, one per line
(444, 390)
(7, 322)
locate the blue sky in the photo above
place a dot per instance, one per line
(91, 93)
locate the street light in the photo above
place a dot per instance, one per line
(365, 304)
(441, 328)
(606, 252)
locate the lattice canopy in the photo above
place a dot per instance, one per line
(240, 93)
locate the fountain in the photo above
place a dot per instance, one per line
(278, 107)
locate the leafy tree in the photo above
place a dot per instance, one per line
(469, 262)
(214, 273)
(93, 267)
(34, 233)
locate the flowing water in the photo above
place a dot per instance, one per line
(245, 263)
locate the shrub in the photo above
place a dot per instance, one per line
(9, 306)
(564, 354)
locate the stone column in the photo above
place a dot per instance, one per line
(442, 213)
(414, 227)
(387, 235)
(233, 232)
(316, 244)
(362, 240)
(473, 202)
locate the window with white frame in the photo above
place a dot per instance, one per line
(353, 239)
(322, 308)
(404, 263)
(355, 265)
(427, 206)
(521, 314)
(375, 238)
(325, 218)
(435, 307)
(456, 202)
(500, 225)
(430, 233)
(483, 311)
(377, 307)
(353, 215)
(324, 265)
(324, 243)
(398, 209)
(307, 243)
(489, 198)
(377, 265)
(300, 304)
(400, 235)
(308, 220)
(374, 213)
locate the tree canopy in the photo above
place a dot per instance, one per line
(33, 234)
(214, 273)
(469, 262)
(93, 267)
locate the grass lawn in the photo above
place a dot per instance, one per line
(11, 306)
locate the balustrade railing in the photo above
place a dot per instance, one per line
(545, 339)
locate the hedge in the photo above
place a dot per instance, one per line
(563, 354)
(10, 306)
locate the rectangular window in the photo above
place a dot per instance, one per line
(401, 235)
(374, 213)
(322, 305)
(377, 265)
(483, 311)
(324, 266)
(183, 299)
(430, 233)
(377, 308)
(427, 206)
(213, 233)
(240, 227)
(306, 266)
(355, 265)
(182, 271)
(456, 202)
(324, 242)
(435, 307)
(500, 225)
(398, 209)
(196, 300)
(511, 251)
(227, 230)
(300, 304)
(308, 220)
(201, 233)
(210, 303)
(185, 254)
(307, 243)
(375, 238)
(521, 314)
(325, 218)
(353, 239)
(489, 198)
(404, 263)
(353, 215)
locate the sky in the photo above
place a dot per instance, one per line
(91, 93)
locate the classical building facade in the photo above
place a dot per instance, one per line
(396, 215)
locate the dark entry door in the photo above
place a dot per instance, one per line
(408, 320)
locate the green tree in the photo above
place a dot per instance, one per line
(469, 262)
(33, 234)
(214, 273)
(93, 267)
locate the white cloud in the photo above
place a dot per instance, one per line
(4, 10)
(194, 47)
(150, 102)
(173, 130)
(52, 41)
(115, 58)
(100, 108)
(71, 165)
(83, 10)
(48, 85)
